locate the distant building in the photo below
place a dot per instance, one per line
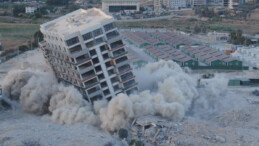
(158, 4)
(218, 36)
(199, 3)
(31, 8)
(178, 4)
(244, 82)
(253, 38)
(231, 3)
(168, 4)
(248, 55)
(113, 6)
(214, 3)
(85, 49)
(189, 3)
(146, 2)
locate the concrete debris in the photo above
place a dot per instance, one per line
(252, 100)
(4, 139)
(153, 130)
(4, 104)
(214, 139)
(255, 92)
(220, 139)
(208, 76)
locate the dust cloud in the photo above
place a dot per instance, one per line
(165, 90)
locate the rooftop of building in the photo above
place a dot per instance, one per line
(76, 21)
(32, 5)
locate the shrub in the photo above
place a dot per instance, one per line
(139, 143)
(123, 133)
(30, 143)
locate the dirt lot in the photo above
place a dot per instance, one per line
(250, 26)
(185, 12)
(255, 15)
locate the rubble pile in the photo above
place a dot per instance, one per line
(255, 92)
(157, 131)
(152, 129)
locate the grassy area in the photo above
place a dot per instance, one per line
(165, 23)
(12, 34)
(17, 31)
(188, 25)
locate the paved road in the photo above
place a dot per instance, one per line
(147, 19)
(156, 18)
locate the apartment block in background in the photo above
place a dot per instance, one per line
(159, 4)
(113, 6)
(214, 3)
(85, 49)
(231, 3)
(199, 3)
(176, 4)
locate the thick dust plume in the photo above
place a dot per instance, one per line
(171, 94)
(39, 93)
(166, 91)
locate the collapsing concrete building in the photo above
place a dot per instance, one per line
(85, 49)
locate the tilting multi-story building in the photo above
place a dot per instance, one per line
(85, 49)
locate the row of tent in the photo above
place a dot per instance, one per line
(210, 56)
(166, 52)
(184, 51)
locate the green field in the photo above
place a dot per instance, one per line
(11, 31)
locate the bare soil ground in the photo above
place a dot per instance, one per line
(10, 44)
(185, 12)
(255, 15)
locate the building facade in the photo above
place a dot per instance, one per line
(231, 3)
(113, 6)
(199, 3)
(31, 8)
(218, 36)
(158, 4)
(215, 3)
(85, 49)
(178, 4)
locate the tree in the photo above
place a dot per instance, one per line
(57, 2)
(17, 9)
(38, 14)
(197, 29)
(38, 36)
(23, 48)
(239, 33)
(123, 133)
(43, 10)
(203, 29)
(248, 42)
(73, 7)
(237, 37)
(205, 12)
